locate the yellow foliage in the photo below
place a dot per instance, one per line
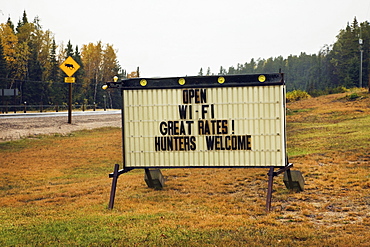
(297, 95)
(9, 41)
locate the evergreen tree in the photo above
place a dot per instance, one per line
(222, 71)
(200, 72)
(365, 36)
(58, 91)
(69, 50)
(345, 56)
(22, 22)
(208, 71)
(231, 71)
(10, 24)
(37, 90)
(78, 92)
(249, 68)
(53, 76)
(24, 18)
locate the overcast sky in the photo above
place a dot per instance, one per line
(177, 38)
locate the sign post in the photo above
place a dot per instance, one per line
(69, 66)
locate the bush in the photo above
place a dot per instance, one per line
(297, 95)
(353, 96)
(339, 89)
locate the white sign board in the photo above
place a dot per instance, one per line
(9, 92)
(238, 121)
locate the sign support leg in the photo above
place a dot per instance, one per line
(271, 175)
(114, 186)
(70, 104)
(269, 189)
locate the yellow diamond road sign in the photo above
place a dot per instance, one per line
(69, 66)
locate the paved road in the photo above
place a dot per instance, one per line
(57, 114)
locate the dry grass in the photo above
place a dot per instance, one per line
(55, 190)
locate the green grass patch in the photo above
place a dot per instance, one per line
(15, 146)
(291, 112)
(138, 230)
(308, 138)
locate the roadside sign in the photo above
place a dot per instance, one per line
(69, 79)
(69, 66)
(226, 121)
(203, 122)
(9, 92)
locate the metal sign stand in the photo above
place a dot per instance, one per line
(271, 174)
(114, 186)
(115, 176)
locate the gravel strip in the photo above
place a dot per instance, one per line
(17, 128)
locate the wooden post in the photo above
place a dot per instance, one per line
(114, 186)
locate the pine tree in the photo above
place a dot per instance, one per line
(58, 91)
(10, 24)
(249, 68)
(200, 72)
(365, 35)
(24, 18)
(345, 56)
(78, 90)
(222, 71)
(53, 75)
(23, 22)
(208, 71)
(69, 49)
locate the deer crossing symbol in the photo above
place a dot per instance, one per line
(70, 66)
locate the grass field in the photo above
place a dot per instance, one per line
(54, 190)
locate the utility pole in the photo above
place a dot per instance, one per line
(360, 41)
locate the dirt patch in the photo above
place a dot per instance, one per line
(17, 128)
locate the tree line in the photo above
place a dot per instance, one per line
(332, 68)
(30, 60)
